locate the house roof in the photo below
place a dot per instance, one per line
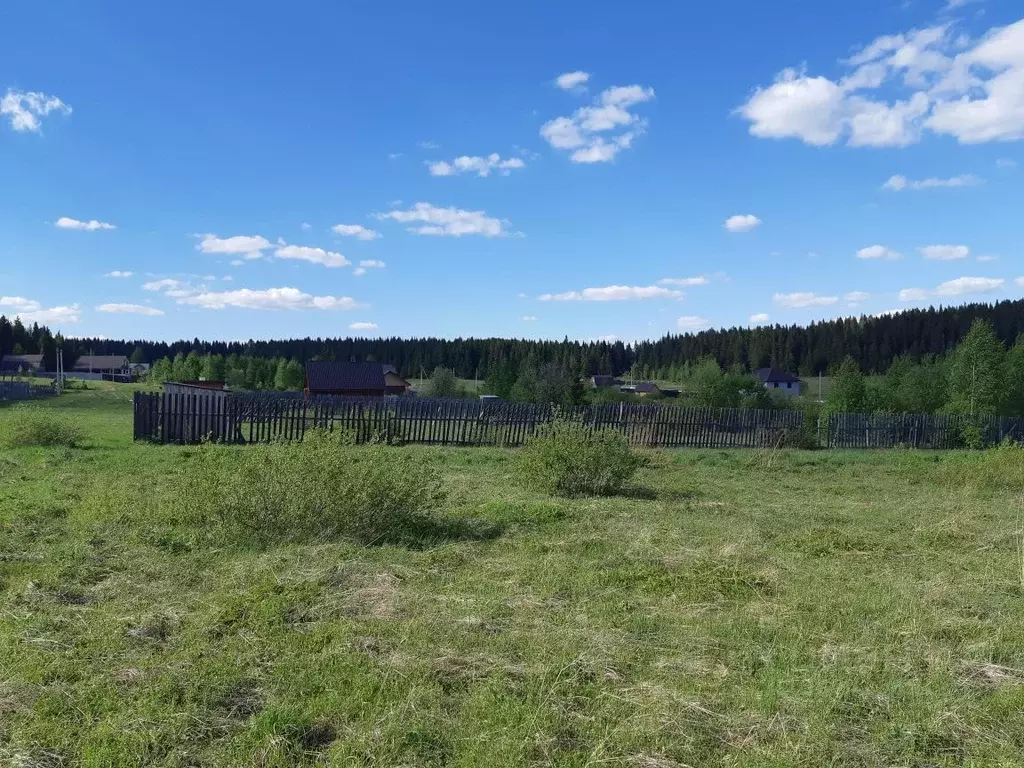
(775, 376)
(17, 362)
(604, 380)
(101, 362)
(328, 375)
(648, 387)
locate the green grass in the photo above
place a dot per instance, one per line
(732, 609)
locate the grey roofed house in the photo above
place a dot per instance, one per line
(773, 378)
(328, 377)
(16, 363)
(101, 364)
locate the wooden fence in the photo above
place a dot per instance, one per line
(254, 418)
(14, 389)
(240, 418)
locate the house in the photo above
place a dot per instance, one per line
(603, 380)
(103, 364)
(327, 377)
(773, 378)
(24, 364)
(642, 389)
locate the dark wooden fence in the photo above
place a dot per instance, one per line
(240, 418)
(255, 418)
(14, 389)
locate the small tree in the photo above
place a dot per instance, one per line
(442, 383)
(1013, 402)
(976, 374)
(849, 392)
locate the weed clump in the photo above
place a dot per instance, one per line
(569, 459)
(320, 489)
(31, 426)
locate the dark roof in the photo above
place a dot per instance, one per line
(648, 387)
(327, 375)
(775, 376)
(99, 362)
(14, 362)
(604, 380)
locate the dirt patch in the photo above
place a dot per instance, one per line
(377, 598)
(240, 702)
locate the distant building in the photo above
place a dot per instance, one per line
(23, 364)
(602, 380)
(117, 365)
(327, 377)
(773, 378)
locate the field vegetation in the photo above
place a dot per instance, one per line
(326, 604)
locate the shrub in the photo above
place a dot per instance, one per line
(32, 425)
(320, 489)
(568, 458)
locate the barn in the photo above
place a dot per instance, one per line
(328, 377)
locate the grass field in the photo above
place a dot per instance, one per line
(734, 609)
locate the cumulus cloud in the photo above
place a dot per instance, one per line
(971, 90)
(305, 226)
(24, 108)
(164, 284)
(878, 252)
(130, 309)
(118, 273)
(742, 222)
(312, 255)
(802, 299)
(913, 294)
(30, 311)
(19, 304)
(961, 286)
(92, 225)
(684, 282)
(355, 230)
(571, 80)
(481, 166)
(614, 293)
(449, 222)
(855, 297)
(759, 319)
(270, 299)
(945, 252)
(362, 326)
(899, 183)
(598, 132)
(247, 246)
(692, 323)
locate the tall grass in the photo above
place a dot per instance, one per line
(30, 425)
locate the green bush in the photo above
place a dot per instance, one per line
(320, 489)
(32, 426)
(570, 459)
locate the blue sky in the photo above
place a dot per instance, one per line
(572, 169)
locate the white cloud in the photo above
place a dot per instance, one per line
(802, 299)
(166, 284)
(237, 262)
(428, 145)
(362, 326)
(305, 225)
(131, 309)
(945, 252)
(24, 108)
(312, 255)
(30, 311)
(742, 222)
(247, 246)
(913, 294)
(19, 304)
(692, 323)
(1006, 162)
(271, 298)
(987, 258)
(878, 252)
(899, 183)
(614, 293)
(89, 226)
(355, 230)
(609, 114)
(971, 90)
(967, 285)
(571, 80)
(118, 273)
(684, 282)
(481, 166)
(451, 222)
(372, 263)
(856, 297)
(1019, 281)
(529, 318)
(759, 319)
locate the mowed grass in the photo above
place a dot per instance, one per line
(733, 609)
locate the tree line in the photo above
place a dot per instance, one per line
(874, 343)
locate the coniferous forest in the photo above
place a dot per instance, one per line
(872, 342)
